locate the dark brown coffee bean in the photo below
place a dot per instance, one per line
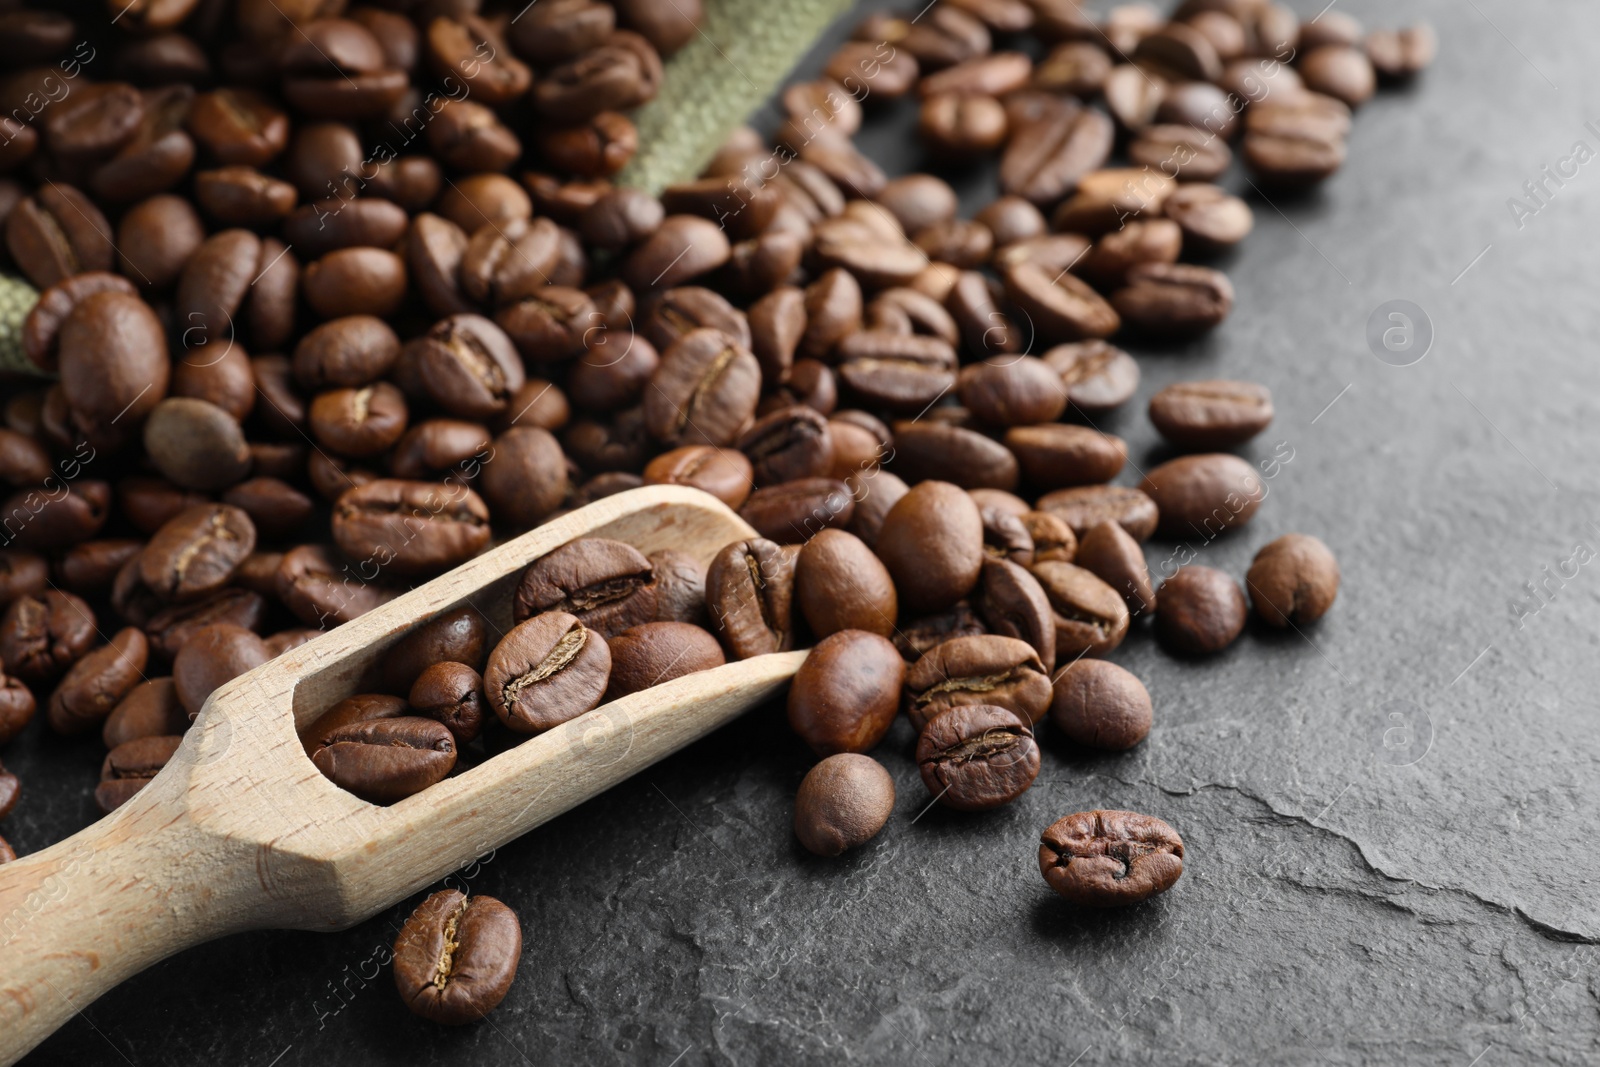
(722, 472)
(322, 590)
(131, 766)
(1203, 495)
(469, 50)
(750, 597)
(1109, 859)
(1052, 537)
(1184, 152)
(932, 544)
(841, 585)
(197, 551)
(974, 757)
(1403, 53)
(622, 444)
(910, 311)
(833, 307)
(672, 315)
(1012, 391)
(548, 669)
(1013, 604)
(41, 330)
(1004, 536)
(525, 478)
(918, 201)
(383, 761)
(1341, 71)
(1111, 554)
(41, 636)
(456, 957)
(451, 693)
(1211, 414)
(411, 527)
(469, 136)
(1076, 67)
(682, 248)
(1055, 455)
(860, 443)
(902, 373)
(346, 352)
(1173, 300)
(155, 238)
(1106, 199)
(1200, 611)
(359, 423)
(1212, 219)
(1086, 506)
(964, 457)
(608, 585)
(436, 447)
(239, 126)
(1139, 241)
(212, 657)
(1012, 219)
(113, 363)
(170, 628)
(460, 635)
(243, 196)
(1296, 140)
(95, 684)
(1201, 106)
(1099, 705)
(35, 520)
(1047, 158)
(793, 512)
(22, 574)
(17, 706)
(990, 670)
(1098, 377)
(1062, 307)
(151, 709)
(842, 804)
(467, 365)
(56, 233)
(657, 652)
(845, 696)
(1091, 618)
(550, 324)
(559, 30)
(704, 392)
(355, 281)
(959, 125)
(790, 443)
(680, 587)
(480, 200)
(1293, 581)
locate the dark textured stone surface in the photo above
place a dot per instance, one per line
(1336, 908)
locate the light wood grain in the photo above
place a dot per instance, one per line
(240, 831)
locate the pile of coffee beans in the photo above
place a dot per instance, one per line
(334, 296)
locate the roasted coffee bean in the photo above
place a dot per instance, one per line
(131, 766)
(1139, 241)
(1047, 158)
(17, 705)
(1111, 554)
(383, 761)
(750, 597)
(468, 365)
(1212, 219)
(10, 788)
(321, 590)
(151, 709)
(623, 444)
(1098, 377)
(411, 527)
(845, 695)
(790, 443)
(22, 574)
(436, 447)
(723, 472)
(608, 585)
(842, 804)
(1203, 495)
(95, 684)
(793, 512)
(1076, 67)
(196, 552)
(359, 423)
(1109, 859)
(1200, 611)
(915, 637)
(546, 670)
(243, 196)
(1341, 71)
(355, 281)
(1185, 152)
(1091, 618)
(956, 125)
(657, 652)
(1211, 414)
(460, 635)
(42, 635)
(548, 325)
(903, 373)
(525, 478)
(777, 322)
(1004, 535)
(35, 520)
(559, 30)
(1053, 538)
(363, 707)
(212, 657)
(347, 352)
(875, 491)
(833, 307)
(1011, 219)
(974, 757)
(1088, 505)
(456, 956)
(1055, 455)
(89, 569)
(196, 444)
(1062, 307)
(56, 233)
(991, 670)
(1012, 391)
(1296, 140)
(1200, 105)
(1108, 198)
(451, 693)
(1099, 705)
(682, 248)
(932, 544)
(170, 628)
(680, 587)
(672, 315)
(1173, 300)
(113, 361)
(1401, 54)
(841, 585)
(918, 201)
(906, 310)
(1013, 604)
(964, 457)
(469, 50)
(239, 126)
(480, 200)
(704, 392)
(1293, 581)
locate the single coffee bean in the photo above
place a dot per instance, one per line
(561, 30)
(790, 443)
(412, 527)
(363, 707)
(1403, 53)
(682, 248)
(793, 512)
(1091, 618)
(1341, 71)
(842, 804)
(456, 956)
(212, 657)
(1211, 415)
(915, 637)
(151, 709)
(845, 695)
(1183, 151)
(1133, 95)
(95, 684)
(1004, 535)
(1293, 581)
(1200, 611)
(964, 457)
(1203, 495)
(998, 671)
(321, 590)
(1052, 537)
(1012, 219)
(1099, 705)
(750, 597)
(932, 544)
(723, 472)
(548, 669)
(841, 585)
(22, 574)
(974, 757)
(1055, 454)
(1111, 554)
(460, 635)
(1061, 306)
(170, 628)
(1046, 158)
(526, 477)
(918, 201)
(435, 447)
(131, 766)
(196, 444)
(1089, 505)
(467, 365)
(383, 761)
(451, 693)
(1295, 140)
(1200, 105)
(89, 568)
(680, 587)
(468, 51)
(41, 636)
(1139, 241)
(903, 373)
(1012, 391)
(1109, 859)
(1098, 377)
(197, 551)
(657, 652)
(704, 392)
(359, 423)
(608, 585)
(959, 125)
(1013, 604)
(1174, 300)
(56, 233)
(1108, 198)
(1212, 219)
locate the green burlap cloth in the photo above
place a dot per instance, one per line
(744, 50)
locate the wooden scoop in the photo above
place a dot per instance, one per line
(241, 832)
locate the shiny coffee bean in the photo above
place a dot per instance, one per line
(456, 957)
(546, 670)
(1293, 581)
(793, 512)
(845, 695)
(451, 693)
(657, 652)
(197, 551)
(460, 635)
(383, 761)
(1091, 618)
(1203, 495)
(1099, 705)
(1056, 455)
(1200, 611)
(841, 585)
(1111, 554)
(608, 585)
(215, 655)
(974, 757)
(999, 671)
(932, 544)
(131, 766)
(842, 803)
(150, 709)
(95, 684)
(750, 597)
(42, 635)
(723, 472)
(1107, 859)
(1211, 415)
(1013, 604)
(1086, 506)
(411, 527)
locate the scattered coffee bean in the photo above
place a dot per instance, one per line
(845, 695)
(1203, 495)
(1293, 581)
(974, 757)
(456, 957)
(1200, 611)
(998, 671)
(842, 804)
(1100, 705)
(1106, 859)
(129, 767)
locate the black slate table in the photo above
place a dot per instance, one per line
(1390, 821)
